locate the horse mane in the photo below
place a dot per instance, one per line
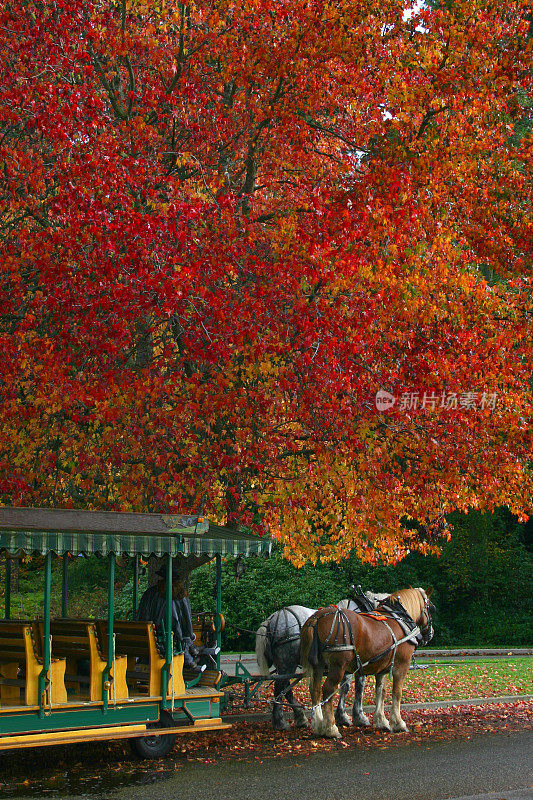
(412, 600)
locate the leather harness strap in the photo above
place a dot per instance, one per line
(340, 619)
(278, 643)
(337, 612)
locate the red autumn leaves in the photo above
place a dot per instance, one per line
(224, 230)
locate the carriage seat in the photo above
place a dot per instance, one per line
(207, 677)
(19, 652)
(77, 641)
(209, 674)
(137, 641)
(205, 631)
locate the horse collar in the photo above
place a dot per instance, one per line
(396, 611)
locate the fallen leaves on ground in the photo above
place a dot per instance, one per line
(460, 681)
(106, 766)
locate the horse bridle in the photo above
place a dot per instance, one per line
(426, 631)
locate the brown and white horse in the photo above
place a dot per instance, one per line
(342, 641)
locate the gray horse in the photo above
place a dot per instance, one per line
(277, 643)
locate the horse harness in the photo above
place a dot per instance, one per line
(359, 603)
(274, 644)
(387, 610)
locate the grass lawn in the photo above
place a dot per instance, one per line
(441, 680)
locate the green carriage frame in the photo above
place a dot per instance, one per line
(72, 532)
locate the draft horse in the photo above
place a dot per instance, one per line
(375, 643)
(277, 644)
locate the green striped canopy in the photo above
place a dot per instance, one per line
(81, 532)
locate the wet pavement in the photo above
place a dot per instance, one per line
(486, 767)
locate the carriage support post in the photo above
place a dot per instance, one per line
(64, 586)
(218, 625)
(7, 607)
(165, 672)
(46, 632)
(135, 598)
(110, 618)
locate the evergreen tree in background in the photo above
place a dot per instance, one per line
(482, 581)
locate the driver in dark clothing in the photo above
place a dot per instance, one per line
(152, 607)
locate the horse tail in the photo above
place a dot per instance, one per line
(262, 649)
(315, 650)
(305, 644)
(309, 650)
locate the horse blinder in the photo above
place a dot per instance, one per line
(426, 631)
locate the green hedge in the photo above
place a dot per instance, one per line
(482, 585)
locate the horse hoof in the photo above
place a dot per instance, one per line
(400, 728)
(361, 722)
(333, 733)
(344, 721)
(382, 726)
(300, 719)
(282, 726)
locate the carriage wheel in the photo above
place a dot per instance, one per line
(155, 746)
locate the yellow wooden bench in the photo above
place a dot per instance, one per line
(19, 656)
(209, 677)
(77, 640)
(137, 640)
(205, 631)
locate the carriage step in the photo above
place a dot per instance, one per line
(124, 732)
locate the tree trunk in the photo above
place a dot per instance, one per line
(154, 563)
(15, 571)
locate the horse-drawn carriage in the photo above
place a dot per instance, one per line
(65, 680)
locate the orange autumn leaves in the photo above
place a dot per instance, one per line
(225, 227)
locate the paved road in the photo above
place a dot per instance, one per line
(435, 771)
(486, 767)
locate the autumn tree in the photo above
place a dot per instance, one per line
(227, 226)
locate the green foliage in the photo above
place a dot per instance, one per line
(484, 581)
(124, 597)
(482, 586)
(87, 587)
(86, 573)
(267, 584)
